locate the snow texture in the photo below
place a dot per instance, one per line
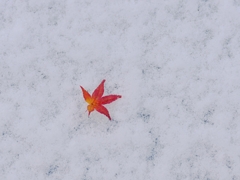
(176, 64)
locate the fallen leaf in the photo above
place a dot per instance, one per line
(96, 101)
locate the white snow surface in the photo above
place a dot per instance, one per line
(176, 64)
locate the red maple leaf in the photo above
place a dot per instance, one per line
(96, 101)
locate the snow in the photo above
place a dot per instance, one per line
(175, 63)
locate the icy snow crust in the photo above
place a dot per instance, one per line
(175, 63)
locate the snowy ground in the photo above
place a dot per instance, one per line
(175, 63)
